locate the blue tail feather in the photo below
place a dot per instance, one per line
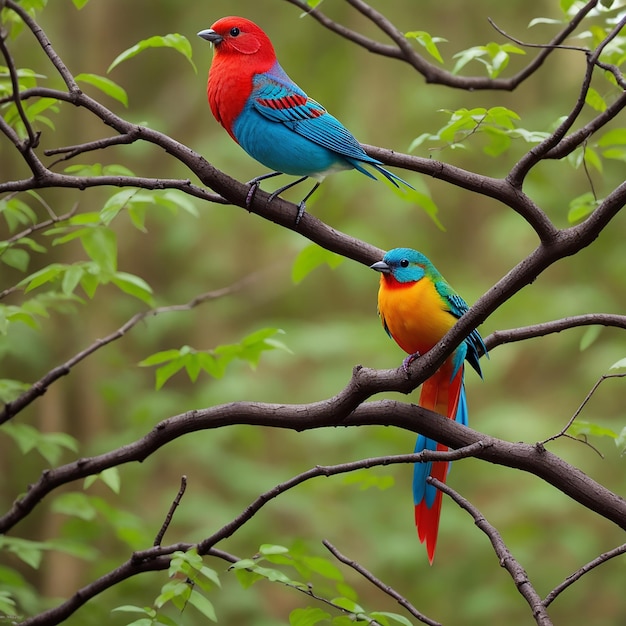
(421, 471)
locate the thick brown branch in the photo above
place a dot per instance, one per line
(344, 409)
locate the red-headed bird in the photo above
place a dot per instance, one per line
(417, 308)
(270, 117)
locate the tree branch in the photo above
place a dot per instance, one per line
(157, 557)
(512, 566)
(390, 591)
(41, 386)
(517, 175)
(603, 558)
(402, 50)
(344, 409)
(500, 337)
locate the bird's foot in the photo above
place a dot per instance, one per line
(409, 359)
(301, 210)
(301, 206)
(254, 185)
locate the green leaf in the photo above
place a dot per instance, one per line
(115, 204)
(595, 100)
(170, 590)
(174, 200)
(580, 427)
(581, 207)
(49, 445)
(16, 258)
(566, 5)
(129, 608)
(17, 213)
(271, 574)
(247, 578)
(180, 43)
(308, 617)
(323, 567)
(268, 548)
(400, 619)
(161, 357)
(24, 435)
(105, 85)
(11, 389)
(347, 604)
(133, 286)
(74, 504)
(242, 564)
(618, 365)
(429, 42)
(100, 244)
(203, 605)
(616, 136)
(71, 278)
(589, 336)
(311, 257)
(110, 477)
(495, 57)
(592, 159)
(620, 442)
(7, 604)
(30, 552)
(543, 20)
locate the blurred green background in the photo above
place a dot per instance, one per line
(529, 392)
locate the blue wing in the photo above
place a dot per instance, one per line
(280, 100)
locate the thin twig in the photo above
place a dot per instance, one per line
(577, 412)
(158, 557)
(170, 514)
(402, 51)
(333, 470)
(390, 591)
(523, 333)
(33, 137)
(572, 578)
(41, 386)
(512, 566)
(518, 173)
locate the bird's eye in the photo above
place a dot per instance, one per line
(404, 263)
(234, 31)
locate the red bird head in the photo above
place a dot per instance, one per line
(235, 36)
(242, 50)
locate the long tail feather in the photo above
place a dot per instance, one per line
(444, 393)
(390, 176)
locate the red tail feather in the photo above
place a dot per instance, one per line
(441, 395)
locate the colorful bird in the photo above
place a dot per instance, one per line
(270, 117)
(417, 308)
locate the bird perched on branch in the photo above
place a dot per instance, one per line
(417, 308)
(271, 118)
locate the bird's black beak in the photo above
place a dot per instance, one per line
(210, 35)
(382, 267)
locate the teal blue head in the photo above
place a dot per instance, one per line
(404, 264)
